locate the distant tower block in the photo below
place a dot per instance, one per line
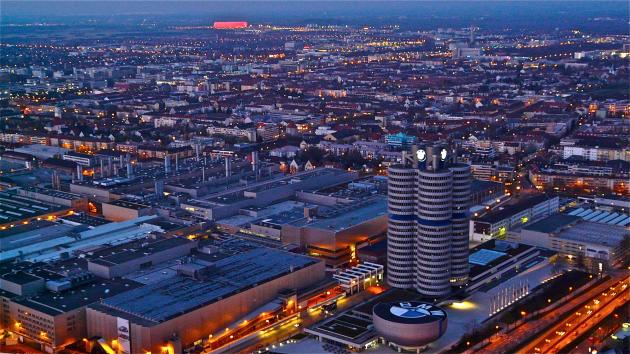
(255, 163)
(56, 181)
(129, 170)
(159, 189)
(228, 167)
(79, 173)
(167, 164)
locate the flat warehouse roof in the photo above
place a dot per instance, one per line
(125, 253)
(172, 297)
(596, 233)
(552, 223)
(14, 207)
(57, 303)
(351, 217)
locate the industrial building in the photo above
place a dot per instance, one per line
(598, 245)
(44, 303)
(496, 223)
(16, 209)
(335, 234)
(260, 194)
(205, 299)
(123, 209)
(71, 200)
(330, 223)
(45, 240)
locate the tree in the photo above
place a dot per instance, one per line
(580, 261)
(313, 154)
(352, 159)
(558, 265)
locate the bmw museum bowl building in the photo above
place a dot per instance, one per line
(409, 325)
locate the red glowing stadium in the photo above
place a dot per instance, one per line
(230, 25)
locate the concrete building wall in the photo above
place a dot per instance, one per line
(48, 330)
(77, 204)
(267, 231)
(99, 193)
(22, 289)
(119, 213)
(337, 243)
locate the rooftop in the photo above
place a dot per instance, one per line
(57, 303)
(166, 299)
(552, 223)
(493, 253)
(510, 209)
(15, 208)
(53, 193)
(596, 233)
(348, 216)
(126, 252)
(124, 203)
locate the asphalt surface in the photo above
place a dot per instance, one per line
(510, 342)
(581, 321)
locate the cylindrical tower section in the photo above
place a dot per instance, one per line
(433, 245)
(401, 230)
(460, 240)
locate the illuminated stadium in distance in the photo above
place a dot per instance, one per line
(230, 25)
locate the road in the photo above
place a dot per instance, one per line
(509, 342)
(562, 334)
(284, 331)
(600, 335)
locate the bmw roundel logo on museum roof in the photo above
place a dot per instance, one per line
(416, 310)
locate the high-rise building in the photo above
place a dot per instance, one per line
(428, 201)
